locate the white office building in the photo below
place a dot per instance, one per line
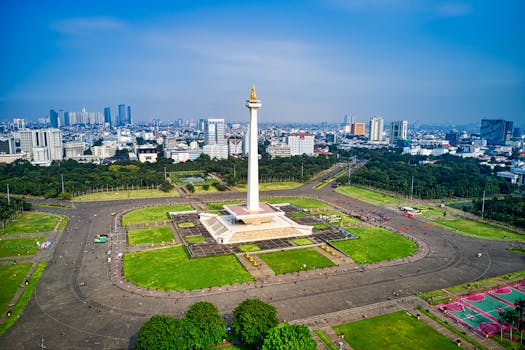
(301, 143)
(376, 128)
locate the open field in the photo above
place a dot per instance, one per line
(303, 203)
(219, 205)
(152, 214)
(11, 277)
(343, 221)
(34, 221)
(478, 229)
(172, 269)
(375, 244)
(131, 194)
(295, 260)
(271, 186)
(249, 248)
(366, 195)
(150, 235)
(22, 246)
(18, 308)
(393, 331)
(302, 241)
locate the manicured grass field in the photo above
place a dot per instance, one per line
(367, 195)
(22, 246)
(186, 224)
(125, 194)
(271, 186)
(321, 226)
(345, 220)
(152, 214)
(298, 215)
(18, 309)
(295, 260)
(302, 241)
(375, 244)
(11, 277)
(479, 229)
(172, 269)
(33, 221)
(249, 248)
(150, 235)
(303, 203)
(393, 331)
(432, 212)
(194, 239)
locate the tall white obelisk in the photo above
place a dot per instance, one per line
(252, 202)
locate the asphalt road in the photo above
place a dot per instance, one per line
(77, 306)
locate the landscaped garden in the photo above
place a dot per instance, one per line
(35, 221)
(16, 247)
(271, 186)
(397, 330)
(367, 195)
(194, 238)
(303, 203)
(125, 194)
(478, 229)
(152, 214)
(150, 235)
(295, 260)
(172, 269)
(375, 244)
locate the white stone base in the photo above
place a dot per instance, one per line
(226, 230)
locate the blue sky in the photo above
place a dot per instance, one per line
(426, 61)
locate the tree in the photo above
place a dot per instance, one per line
(162, 332)
(207, 319)
(166, 186)
(252, 320)
(190, 188)
(289, 337)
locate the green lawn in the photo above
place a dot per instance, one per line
(324, 338)
(125, 194)
(367, 195)
(150, 235)
(432, 212)
(295, 260)
(249, 248)
(11, 277)
(22, 246)
(303, 203)
(393, 331)
(321, 226)
(478, 229)
(194, 239)
(186, 224)
(271, 186)
(172, 269)
(220, 205)
(33, 221)
(152, 214)
(298, 215)
(344, 220)
(375, 244)
(18, 309)
(302, 241)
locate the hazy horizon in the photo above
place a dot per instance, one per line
(432, 62)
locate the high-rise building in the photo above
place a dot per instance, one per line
(44, 145)
(358, 129)
(122, 118)
(453, 138)
(496, 131)
(67, 121)
(107, 116)
(84, 116)
(53, 118)
(516, 132)
(301, 143)
(201, 124)
(377, 125)
(7, 145)
(398, 130)
(214, 132)
(129, 115)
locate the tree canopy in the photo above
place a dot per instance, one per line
(162, 332)
(289, 337)
(252, 320)
(207, 319)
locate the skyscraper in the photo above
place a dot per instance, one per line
(214, 132)
(129, 115)
(358, 129)
(496, 131)
(377, 125)
(122, 118)
(44, 145)
(107, 115)
(53, 118)
(398, 130)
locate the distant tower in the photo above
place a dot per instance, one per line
(129, 115)
(107, 115)
(214, 132)
(122, 114)
(398, 130)
(376, 129)
(252, 202)
(53, 118)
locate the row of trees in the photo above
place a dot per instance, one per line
(509, 209)
(255, 323)
(514, 318)
(10, 208)
(443, 177)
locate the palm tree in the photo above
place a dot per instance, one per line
(510, 317)
(520, 311)
(501, 321)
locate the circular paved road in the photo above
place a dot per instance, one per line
(76, 305)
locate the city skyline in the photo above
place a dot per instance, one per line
(400, 60)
